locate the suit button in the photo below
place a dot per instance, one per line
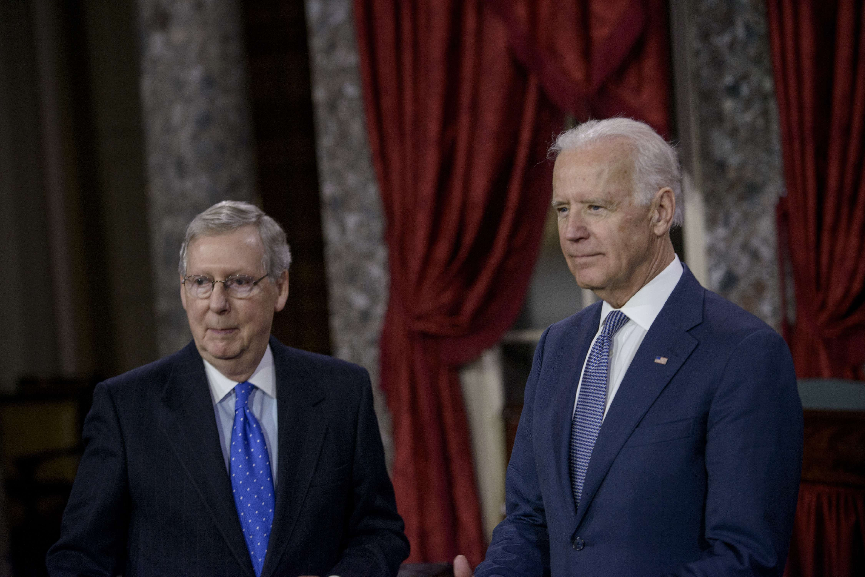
(578, 544)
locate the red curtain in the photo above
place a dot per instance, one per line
(595, 58)
(459, 129)
(818, 51)
(828, 514)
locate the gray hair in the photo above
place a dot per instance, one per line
(230, 215)
(656, 163)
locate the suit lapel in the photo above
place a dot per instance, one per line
(189, 422)
(567, 369)
(301, 432)
(645, 379)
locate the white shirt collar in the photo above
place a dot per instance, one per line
(643, 308)
(264, 377)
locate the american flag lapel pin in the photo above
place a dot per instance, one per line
(661, 360)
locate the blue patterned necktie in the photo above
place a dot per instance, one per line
(591, 402)
(251, 479)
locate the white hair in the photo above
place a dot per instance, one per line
(230, 215)
(656, 163)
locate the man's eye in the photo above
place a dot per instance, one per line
(240, 281)
(200, 281)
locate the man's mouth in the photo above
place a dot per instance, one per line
(222, 331)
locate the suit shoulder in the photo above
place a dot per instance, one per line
(723, 317)
(733, 334)
(589, 314)
(146, 374)
(320, 362)
(148, 380)
(322, 371)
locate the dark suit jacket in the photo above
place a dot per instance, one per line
(696, 467)
(152, 495)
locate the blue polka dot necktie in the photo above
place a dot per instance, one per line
(251, 479)
(591, 402)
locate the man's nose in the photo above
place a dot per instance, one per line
(574, 228)
(218, 298)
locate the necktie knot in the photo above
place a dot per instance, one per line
(614, 321)
(242, 390)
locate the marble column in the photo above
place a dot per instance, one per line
(352, 215)
(197, 124)
(738, 149)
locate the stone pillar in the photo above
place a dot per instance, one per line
(738, 150)
(352, 215)
(198, 132)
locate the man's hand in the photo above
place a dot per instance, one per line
(462, 567)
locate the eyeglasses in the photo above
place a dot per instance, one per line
(239, 286)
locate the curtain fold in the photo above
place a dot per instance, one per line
(828, 514)
(818, 52)
(459, 122)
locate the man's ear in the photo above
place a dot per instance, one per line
(663, 211)
(282, 287)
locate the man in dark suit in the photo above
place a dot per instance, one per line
(236, 455)
(661, 432)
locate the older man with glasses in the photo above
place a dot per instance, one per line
(236, 455)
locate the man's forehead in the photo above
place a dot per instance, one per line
(614, 150)
(607, 163)
(236, 248)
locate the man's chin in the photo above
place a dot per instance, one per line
(587, 277)
(586, 282)
(220, 353)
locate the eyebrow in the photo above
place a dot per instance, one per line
(595, 200)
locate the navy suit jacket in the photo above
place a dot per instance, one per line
(152, 495)
(696, 467)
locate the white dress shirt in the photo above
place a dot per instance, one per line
(641, 309)
(262, 401)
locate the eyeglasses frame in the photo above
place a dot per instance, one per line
(214, 281)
